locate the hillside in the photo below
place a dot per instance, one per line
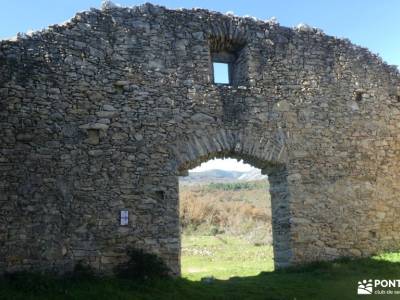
(217, 175)
(234, 207)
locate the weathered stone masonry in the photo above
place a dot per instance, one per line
(102, 114)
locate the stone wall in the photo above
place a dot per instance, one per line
(102, 113)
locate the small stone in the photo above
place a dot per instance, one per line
(107, 259)
(355, 252)
(107, 114)
(108, 107)
(201, 117)
(104, 121)
(294, 220)
(24, 137)
(119, 136)
(294, 178)
(95, 96)
(93, 137)
(95, 152)
(56, 117)
(121, 83)
(331, 251)
(97, 126)
(282, 106)
(380, 215)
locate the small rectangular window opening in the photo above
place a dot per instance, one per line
(359, 96)
(221, 73)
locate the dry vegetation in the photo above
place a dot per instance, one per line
(239, 209)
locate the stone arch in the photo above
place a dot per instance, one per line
(259, 151)
(269, 155)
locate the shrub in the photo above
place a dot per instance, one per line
(142, 266)
(33, 283)
(81, 272)
(236, 186)
(236, 208)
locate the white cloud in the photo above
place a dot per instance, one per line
(229, 164)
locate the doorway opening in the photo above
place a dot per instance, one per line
(226, 223)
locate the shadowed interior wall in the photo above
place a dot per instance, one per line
(102, 113)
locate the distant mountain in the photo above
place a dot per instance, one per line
(251, 175)
(217, 175)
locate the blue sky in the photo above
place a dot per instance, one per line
(374, 24)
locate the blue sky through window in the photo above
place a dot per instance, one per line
(221, 73)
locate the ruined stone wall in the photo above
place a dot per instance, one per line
(102, 114)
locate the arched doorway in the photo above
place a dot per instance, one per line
(225, 218)
(268, 156)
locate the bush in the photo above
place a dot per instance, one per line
(32, 283)
(81, 272)
(236, 208)
(214, 230)
(142, 266)
(236, 186)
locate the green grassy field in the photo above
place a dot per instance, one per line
(234, 263)
(223, 257)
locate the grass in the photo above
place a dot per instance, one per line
(223, 257)
(241, 269)
(327, 280)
